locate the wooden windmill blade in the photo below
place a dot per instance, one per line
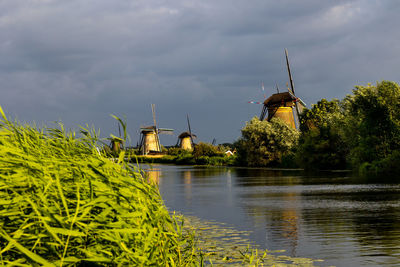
(263, 91)
(297, 117)
(153, 110)
(190, 131)
(141, 146)
(289, 72)
(263, 113)
(165, 131)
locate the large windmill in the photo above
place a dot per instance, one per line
(285, 106)
(149, 139)
(185, 139)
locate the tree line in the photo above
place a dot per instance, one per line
(360, 132)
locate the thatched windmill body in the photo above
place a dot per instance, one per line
(285, 106)
(149, 137)
(185, 139)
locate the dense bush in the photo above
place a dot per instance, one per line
(175, 151)
(388, 166)
(373, 123)
(361, 132)
(321, 144)
(206, 149)
(264, 143)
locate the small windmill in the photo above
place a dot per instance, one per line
(185, 139)
(149, 136)
(281, 104)
(117, 143)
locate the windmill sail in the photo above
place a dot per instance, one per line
(153, 111)
(150, 141)
(190, 131)
(297, 114)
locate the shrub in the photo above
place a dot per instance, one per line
(322, 144)
(175, 151)
(206, 149)
(264, 143)
(185, 159)
(373, 122)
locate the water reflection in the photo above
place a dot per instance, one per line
(187, 181)
(153, 175)
(332, 216)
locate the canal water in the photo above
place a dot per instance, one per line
(331, 216)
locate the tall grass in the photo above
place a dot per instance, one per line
(64, 203)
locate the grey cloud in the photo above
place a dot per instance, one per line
(79, 61)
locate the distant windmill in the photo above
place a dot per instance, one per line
(149, 140)
(185, 139)
(117, 143)
(281, 105)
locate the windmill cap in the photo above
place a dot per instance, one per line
(186, 134)
(276, 99)
(147, 129)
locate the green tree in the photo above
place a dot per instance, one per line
(207, 150)
(373, 123)
(265, 143)
(322, 144)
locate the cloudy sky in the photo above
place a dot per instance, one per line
(78, 61)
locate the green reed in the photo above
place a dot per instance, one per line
(64, 203)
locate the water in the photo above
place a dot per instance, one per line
(332, 216)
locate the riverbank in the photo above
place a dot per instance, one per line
(187, 159)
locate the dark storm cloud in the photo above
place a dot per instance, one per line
(79, 61)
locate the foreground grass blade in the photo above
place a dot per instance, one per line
(25, 251)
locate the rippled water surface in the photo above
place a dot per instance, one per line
(332, 216)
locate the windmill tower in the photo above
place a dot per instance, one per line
(185, 139)
(285, 106)
(149, 139)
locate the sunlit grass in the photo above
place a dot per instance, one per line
(64, 203)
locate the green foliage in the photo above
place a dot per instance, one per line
(64, 203)
(264, 143)
(321, 144)
(388, 166)
(175, 151)
(185, 159)
(321, 115)
(362, 131)
(215, 161)
(206, 149)
(373, 126)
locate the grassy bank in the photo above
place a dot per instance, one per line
(188, 159)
